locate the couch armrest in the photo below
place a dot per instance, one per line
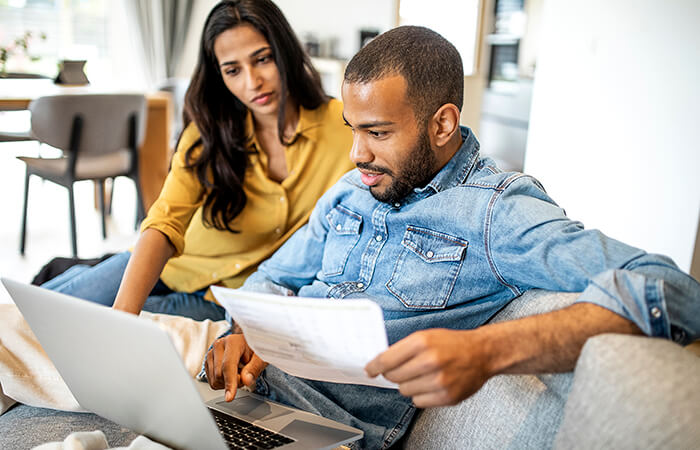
(519, 411)
(633, 392)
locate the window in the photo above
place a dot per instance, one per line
(92, 30)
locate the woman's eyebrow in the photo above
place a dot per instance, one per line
(258, 51)
(252, 55)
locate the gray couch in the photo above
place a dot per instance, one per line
(626, 392)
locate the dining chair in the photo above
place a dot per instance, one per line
(99, 136)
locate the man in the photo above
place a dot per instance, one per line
(442, 240)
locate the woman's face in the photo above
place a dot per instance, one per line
(248, 68)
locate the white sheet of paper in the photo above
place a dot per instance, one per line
(315, 338)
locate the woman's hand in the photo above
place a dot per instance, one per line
(227, 356)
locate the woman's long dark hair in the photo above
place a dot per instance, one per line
(220, 116)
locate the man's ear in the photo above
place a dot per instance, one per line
(444, 124)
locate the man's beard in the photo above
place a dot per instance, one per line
(416, 171)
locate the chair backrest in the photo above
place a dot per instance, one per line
(105, 121)
(177, 87)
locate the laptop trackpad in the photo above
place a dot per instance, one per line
(319, 435)
(253, 409)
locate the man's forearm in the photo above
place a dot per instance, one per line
(548, 342)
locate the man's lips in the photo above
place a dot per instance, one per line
(262, 98)
(370, 178)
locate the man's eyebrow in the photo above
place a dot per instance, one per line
(364, 126)
(252, 55)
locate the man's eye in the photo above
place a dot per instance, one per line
(376, 134)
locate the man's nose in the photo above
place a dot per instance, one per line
(360, 153)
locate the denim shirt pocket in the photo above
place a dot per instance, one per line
(427, 268)
(343, 234)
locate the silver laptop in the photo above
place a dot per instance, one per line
(127, 370)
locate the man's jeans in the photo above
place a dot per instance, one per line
(100, 284)
(383, 414)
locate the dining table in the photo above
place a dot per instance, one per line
(155, 153)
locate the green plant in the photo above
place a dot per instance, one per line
(19, 46)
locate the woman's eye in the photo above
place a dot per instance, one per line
(231, 71)
(264, 59)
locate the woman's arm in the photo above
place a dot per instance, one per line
(152, 251)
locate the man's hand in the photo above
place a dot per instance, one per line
(225, 358)
(440, 367)
(435, 367)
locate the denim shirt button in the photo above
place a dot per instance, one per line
(430, 254)
(378, 238)
(397, 205)
(655, 312)
(338, 227)
(360, 285)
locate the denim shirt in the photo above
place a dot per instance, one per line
(454, 252)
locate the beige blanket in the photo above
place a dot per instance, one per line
(28, 376)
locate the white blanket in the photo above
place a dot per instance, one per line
(28, 376)
(96, 440)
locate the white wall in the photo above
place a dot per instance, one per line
(340, 18)
(324, 18)
(615, 122)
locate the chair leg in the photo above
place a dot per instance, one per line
(71, 206)
(101, 201)
(140, 210)
(23, 236)
(111, 196)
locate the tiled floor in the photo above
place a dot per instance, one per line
(48, 227)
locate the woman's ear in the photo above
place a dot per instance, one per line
(444, 124)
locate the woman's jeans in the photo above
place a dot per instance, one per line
(100, 284)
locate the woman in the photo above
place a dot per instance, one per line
(262, 143)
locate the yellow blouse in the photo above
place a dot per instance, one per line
(273, 212)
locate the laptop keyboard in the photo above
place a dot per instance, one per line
(241, 434)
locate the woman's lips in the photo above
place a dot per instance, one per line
(371, 179)
(262, 99)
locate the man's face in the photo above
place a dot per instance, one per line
(390, 148)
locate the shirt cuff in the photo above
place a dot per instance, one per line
(633, 296)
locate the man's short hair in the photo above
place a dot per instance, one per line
(428, 62)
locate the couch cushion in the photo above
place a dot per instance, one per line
(509, 411)
(633, 392)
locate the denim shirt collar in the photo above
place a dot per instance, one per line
(457, 169)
